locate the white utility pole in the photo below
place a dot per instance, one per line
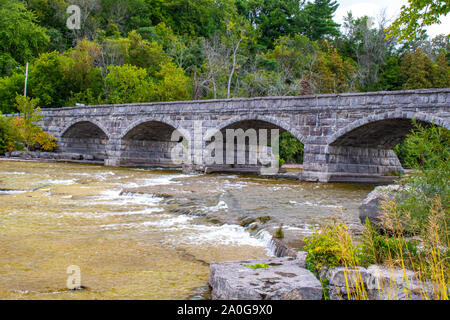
(26, 78)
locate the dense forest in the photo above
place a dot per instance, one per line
(155, 50)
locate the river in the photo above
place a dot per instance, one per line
(147, 234)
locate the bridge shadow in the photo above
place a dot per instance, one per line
(85, 139)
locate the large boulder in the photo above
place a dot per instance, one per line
(344, 281)
(284, 279)
(385, 283)
(370, 207)
(379, 283)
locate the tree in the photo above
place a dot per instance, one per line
(192, 17)
(333, 74)
(222, 54)
(27, 128)
(47, 80)
(9, 135)
(441, 72)
(417, 15)
(235, 36)
(127, 84)
(291, 150)
(172, 84)
(89, 21)
(368, 46)
(319, 19)
(389, 78)
(21, 38)
(81, 71)
(10, 87)
(27, 122)
(415, 71)
(294, 58)
(144, 54)
(272, 18)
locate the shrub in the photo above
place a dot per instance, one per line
(24, 130)
(330, 247)
(9, 136)
(46, 141)
(429, 150)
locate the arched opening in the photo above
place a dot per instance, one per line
(384, 134)
(86, 139)
(149, 144)
(367, 149)
(243, 143)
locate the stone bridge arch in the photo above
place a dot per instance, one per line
(86, 137)
(362, 151)
(249, 124)
(282, 124)
(148, 142)
(382, 119)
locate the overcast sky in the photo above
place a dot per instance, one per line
(373, 8)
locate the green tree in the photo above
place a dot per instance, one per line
(79, 67)
(144, 54)
(333, 74)
(127, 84)
(172, 84)
(27, 123)
(367, 45)
(415, 70)
(390, 74)
(290, 62)
(192, 17)
(291, 149)
(47, 80)
(21, 38)
(319, 19)
(9, 135)
(416, 16)
(10, 87)
(441, 72)
(272, 18)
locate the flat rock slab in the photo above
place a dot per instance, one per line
(284, 279)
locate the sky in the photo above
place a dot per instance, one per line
(373, 8)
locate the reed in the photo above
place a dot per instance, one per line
(415, 263)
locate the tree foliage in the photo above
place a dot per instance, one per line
(415, 16)
(29, 132)
(153, 50)
(21, 38)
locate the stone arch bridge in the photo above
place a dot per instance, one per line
(346, 137)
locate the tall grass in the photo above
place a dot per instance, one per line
(417, 265)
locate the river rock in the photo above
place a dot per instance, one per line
(379, 282)
(284, 279)
(370, 207)
(344, 281)
(280, 249)
(385, 283)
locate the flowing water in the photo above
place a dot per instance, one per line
(146, 234)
